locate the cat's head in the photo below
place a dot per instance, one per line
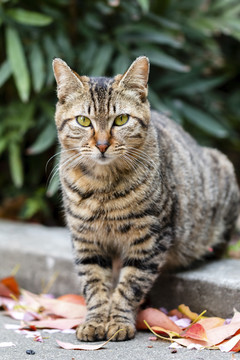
(102, 119)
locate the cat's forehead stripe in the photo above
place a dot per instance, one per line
(100, 90)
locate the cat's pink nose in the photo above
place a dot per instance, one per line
(102, 146)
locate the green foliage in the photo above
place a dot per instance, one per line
(193, 47)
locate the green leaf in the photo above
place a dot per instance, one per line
(163, 21)
(15, 162)
(5, 72)
(199, 86)
(204, 121)
(3, 144)
(157, 103)
(138, 33)
(51, 51)
(37, 67)
(161, 59)
(121, 64)
(102, 60)
(27, 17)
(45, 139)
(145, 4)
(18, 63)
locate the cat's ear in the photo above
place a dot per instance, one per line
(136, 77)
(67, 80)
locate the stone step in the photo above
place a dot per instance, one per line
(43, 252)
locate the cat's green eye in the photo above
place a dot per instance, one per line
(121, 120)
(83, 121)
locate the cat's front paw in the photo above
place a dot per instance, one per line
(127, 332)
(91, 331)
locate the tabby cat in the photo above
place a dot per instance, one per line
(136, 187)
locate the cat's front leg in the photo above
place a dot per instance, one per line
(136, 279)
(95, 273)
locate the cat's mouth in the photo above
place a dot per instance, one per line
(103, 159)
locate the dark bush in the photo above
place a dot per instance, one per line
(193, 47)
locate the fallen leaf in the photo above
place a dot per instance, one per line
(185, 310)
(155, 317)
(196, 332)
(160, 330)
(60, 324)
(177, 313)
(73, 298)
(56, 306)
(7, 303)
(211, 323)
(69, 346)
(217, 335)
(231, 345)
(187, 342)
(11, 283)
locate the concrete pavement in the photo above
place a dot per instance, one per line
(136, 349)
(42, 252)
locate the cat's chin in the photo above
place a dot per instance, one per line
(103, 160)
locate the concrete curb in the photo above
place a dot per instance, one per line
(41, 251)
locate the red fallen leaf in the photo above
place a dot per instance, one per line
(155, 317)
(11, 284)
(4, 291)
(211, 323)
(60, 324)
(217, 335)
(73, 298)
(196, 332)
(160, 330)
(231, 345)
(29, 327)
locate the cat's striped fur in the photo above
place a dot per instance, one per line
(151, 198)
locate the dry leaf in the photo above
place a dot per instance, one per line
(196, 332)
(73, 298)
(217, 335)
(55, 306)
(61, 324)
(211, 323)
(69, 346)
(160, 330)
(187, 312)
(155, 317)
(12, 285)
(231, 345)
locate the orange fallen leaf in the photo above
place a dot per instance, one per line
(72, 298)
(9, 283)
(196, 332)
(155, 317)
(69, 346)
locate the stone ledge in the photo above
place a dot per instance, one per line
(41, 251)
